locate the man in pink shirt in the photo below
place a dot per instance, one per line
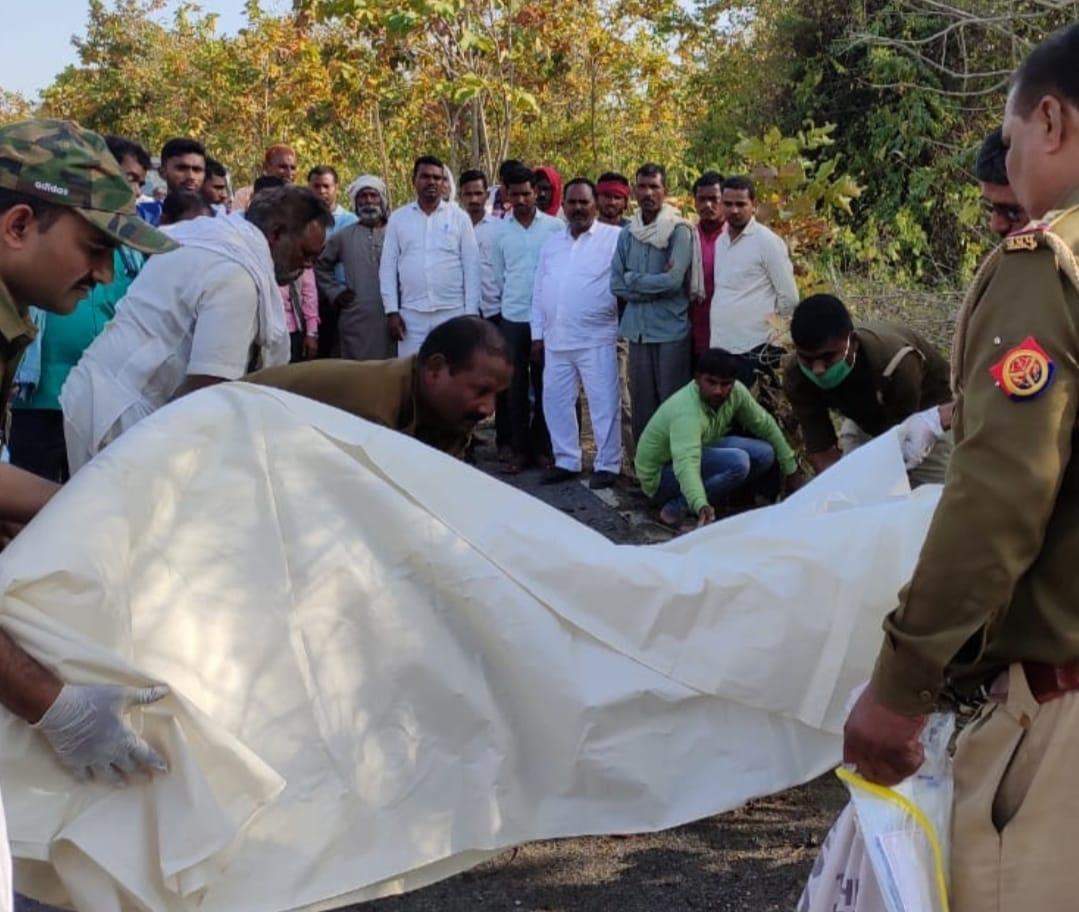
(301, 316)
(708, 200)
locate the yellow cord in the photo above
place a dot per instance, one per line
(853, 780)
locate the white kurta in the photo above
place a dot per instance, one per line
(576, 316)
(564, 374)
(188, 312)
(430, 262)
(572, 303)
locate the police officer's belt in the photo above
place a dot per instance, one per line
(1047, 682)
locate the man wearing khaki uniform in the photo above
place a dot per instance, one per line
(875, 375)
(437, 395)
(994, 602)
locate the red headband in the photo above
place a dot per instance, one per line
(613, 188)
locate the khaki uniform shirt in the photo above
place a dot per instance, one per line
(996, 580)
(885, 387)
(17, 331)
(380, 391)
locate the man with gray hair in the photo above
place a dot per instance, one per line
(357, 250)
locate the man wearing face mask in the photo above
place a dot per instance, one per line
(876, 376)
(357, 250)
(205, 313)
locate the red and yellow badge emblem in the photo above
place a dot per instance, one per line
(1024, 371)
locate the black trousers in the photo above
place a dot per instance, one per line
(295, 340)
(37, 443)
(528, 430)
(328, 339)
(760, 361)
(502, 405)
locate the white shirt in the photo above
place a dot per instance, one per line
(485, 231)
(754, 280)
(572, 304)
(430, 262)
(190, 311)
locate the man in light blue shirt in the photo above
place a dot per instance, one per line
(325, 184)
(514, 254)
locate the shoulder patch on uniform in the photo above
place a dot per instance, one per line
(1025, 240)
(1024, 371)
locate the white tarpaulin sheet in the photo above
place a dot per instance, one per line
(386, 665)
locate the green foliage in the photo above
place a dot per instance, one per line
(800, 195)
(13, 106)
(884, 189)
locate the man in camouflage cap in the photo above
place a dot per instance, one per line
(64, 207)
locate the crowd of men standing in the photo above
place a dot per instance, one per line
(508, 299)
(590, 294)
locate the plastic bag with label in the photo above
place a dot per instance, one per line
(888, 850)
(842, 879)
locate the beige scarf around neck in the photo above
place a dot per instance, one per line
(658, 234)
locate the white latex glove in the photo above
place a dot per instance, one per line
(85, 727)
(918, 435)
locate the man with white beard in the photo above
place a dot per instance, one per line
(356, 250)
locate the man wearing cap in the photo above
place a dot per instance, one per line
(357, 249)
(210, 311)
(64, 208)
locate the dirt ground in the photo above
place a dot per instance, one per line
(755, 859)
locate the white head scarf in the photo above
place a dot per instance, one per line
(452, 184)
(369, 182)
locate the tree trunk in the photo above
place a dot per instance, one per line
(474, 157)
(383, 157)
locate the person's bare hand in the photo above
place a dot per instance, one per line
(310, 347)
(706, 516)
(395, 325)
(345, 298)
(947, 414)
(882, 744)
(793, 482)
(8, 531)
